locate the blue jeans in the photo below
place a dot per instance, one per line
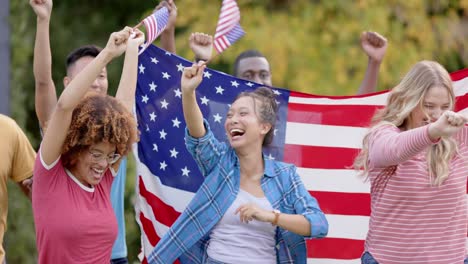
(367, 258)
(119, 261)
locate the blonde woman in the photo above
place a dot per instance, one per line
(415, 158)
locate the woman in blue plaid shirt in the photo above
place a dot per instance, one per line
(249, 209)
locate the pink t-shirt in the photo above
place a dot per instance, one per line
(74, 223)
(411, 220)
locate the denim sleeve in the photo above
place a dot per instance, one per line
(307, 205)
(207, 150)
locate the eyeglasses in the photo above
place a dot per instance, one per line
(99, 156)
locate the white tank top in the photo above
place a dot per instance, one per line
(232, 241)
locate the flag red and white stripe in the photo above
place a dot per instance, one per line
(228, 29)
(154, 26)
(323, 135)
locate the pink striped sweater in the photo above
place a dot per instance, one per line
(413, 221)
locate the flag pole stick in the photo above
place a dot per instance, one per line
(138, 25)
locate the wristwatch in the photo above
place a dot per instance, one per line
(277, 214)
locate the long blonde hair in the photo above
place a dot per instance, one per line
(401, 102)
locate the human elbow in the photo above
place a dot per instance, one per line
(63, 106)
(318, 224)
(43, 82)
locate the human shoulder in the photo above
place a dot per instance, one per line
(277, 168)
(383, 127)
(10, 131)
(7, 122)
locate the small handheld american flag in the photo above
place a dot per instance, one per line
(228, 29)
(154, 25)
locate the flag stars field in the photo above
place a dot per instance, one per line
(174, 153)
(152, 116)
(180, 67)
(153, 87)
(162, 134)
(217, 118)
(207, 74)
(144, 99)
(162, 165)
(178, 93)
(204, 100)
(166, 75)
(219, 90)
(141, 68)
(176, 123)
(164, 104)
(154, 60)
(185, 171)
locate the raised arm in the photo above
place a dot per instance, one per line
(191, 78)
(389, 146)
(168, 35)
(59, 123)
(128, 79)
(375, 46)
(45, 97)
(202, 46)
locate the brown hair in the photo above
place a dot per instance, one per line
(99, 118)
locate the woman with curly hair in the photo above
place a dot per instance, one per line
(415, 156)
(249, 209)
(83, 144)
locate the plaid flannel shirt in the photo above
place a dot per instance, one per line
(188, 237)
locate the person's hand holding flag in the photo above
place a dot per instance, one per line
(228, 29)
(172, 9)
(202, 46)
(154, 26)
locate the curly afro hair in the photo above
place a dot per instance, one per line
(99, 118)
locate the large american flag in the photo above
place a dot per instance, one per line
(154, 26)
(228, 29)
(320, 134)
